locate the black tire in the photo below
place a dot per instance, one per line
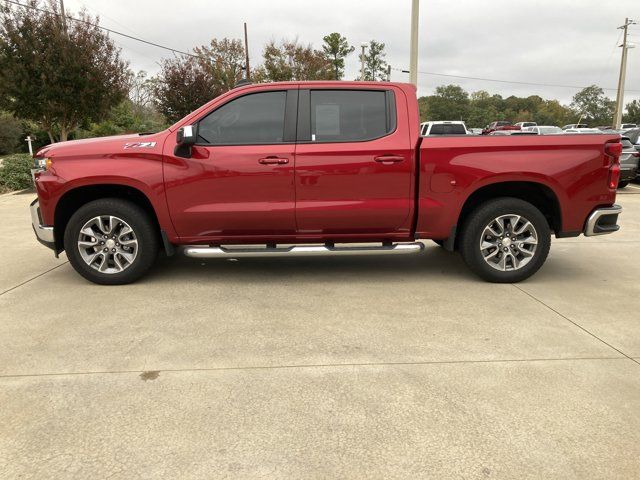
(440, 243)
(623, 184)
(144, 228)
(482, 216)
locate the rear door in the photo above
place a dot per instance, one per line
(354, 162)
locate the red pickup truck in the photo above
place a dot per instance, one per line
(332, 168)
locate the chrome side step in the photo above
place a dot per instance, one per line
(302, 250)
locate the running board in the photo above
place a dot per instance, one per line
(302, 250)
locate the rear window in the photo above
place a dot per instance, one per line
(349, 115)
(446, 129)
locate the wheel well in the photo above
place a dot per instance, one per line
(76, 198)
(540, 196)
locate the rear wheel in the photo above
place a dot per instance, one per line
(505, 240)
(623, 184)
(111, 241)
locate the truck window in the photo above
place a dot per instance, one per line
(256, 118)
(448, 129)
(349, 115)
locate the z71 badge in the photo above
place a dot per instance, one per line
(139, 145)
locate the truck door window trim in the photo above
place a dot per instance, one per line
(304, 114)
(290, 119)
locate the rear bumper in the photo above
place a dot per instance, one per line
(44, 234)
(628, 172)
(603, 221)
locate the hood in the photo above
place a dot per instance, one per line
(104, 145)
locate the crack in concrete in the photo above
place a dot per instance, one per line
(318, 365)
(575, 323)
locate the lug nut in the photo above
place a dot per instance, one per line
(506, 249)
(113, 250)
(105, 250)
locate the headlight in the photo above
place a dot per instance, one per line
(42, 163)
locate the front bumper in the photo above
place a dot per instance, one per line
(44, 234)
(602, 221)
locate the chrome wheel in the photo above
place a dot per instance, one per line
(108, 244)
(508, 242)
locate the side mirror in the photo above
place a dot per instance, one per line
(186, 137)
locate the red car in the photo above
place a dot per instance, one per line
(500, 125)
(321, 166)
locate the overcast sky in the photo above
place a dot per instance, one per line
(565, 42)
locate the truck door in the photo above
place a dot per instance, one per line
(354, 162)
(239, 179)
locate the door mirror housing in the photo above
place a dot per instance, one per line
(186, 137)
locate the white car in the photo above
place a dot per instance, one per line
(575, 125)
(582, 130)
(443, 128)
(628, 126)
(544, 130)
(524, 125)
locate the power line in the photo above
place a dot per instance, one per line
(77, 20)
(503, 81)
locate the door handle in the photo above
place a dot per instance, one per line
(273, 161)
(389, 159)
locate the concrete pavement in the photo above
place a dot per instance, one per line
(373, 367)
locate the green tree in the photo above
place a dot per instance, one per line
(223, 61)
(336, 48)
(633, 112)
(375, 65)
(11, 132)
(58, 76)
(449, 102)
(290, 60)
(182, 86)
(593, 106)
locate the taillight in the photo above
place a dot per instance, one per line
(613, 151)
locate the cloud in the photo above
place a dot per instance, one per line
(570, 42)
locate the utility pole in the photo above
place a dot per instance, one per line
(617, 117)
(246, 52)
(413, 61)
(364, 47)
(63, 16)
(388, 73)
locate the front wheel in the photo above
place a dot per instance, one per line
(505, 240)
(111, 241)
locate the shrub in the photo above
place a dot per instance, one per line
(15, 172)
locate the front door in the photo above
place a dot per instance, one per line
(239, 179)
(354, 163)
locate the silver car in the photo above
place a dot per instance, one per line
(628, 162)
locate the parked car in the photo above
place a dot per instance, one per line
(628, 162)
(498, 126)
(512, 132)
(585, 130)
(475, 131)
(575, 125)
(628, 126)
(634, 136)
(444, 128)
(318, 165)
(545, 130)
(524, 125)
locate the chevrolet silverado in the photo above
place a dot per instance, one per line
(319, 168)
